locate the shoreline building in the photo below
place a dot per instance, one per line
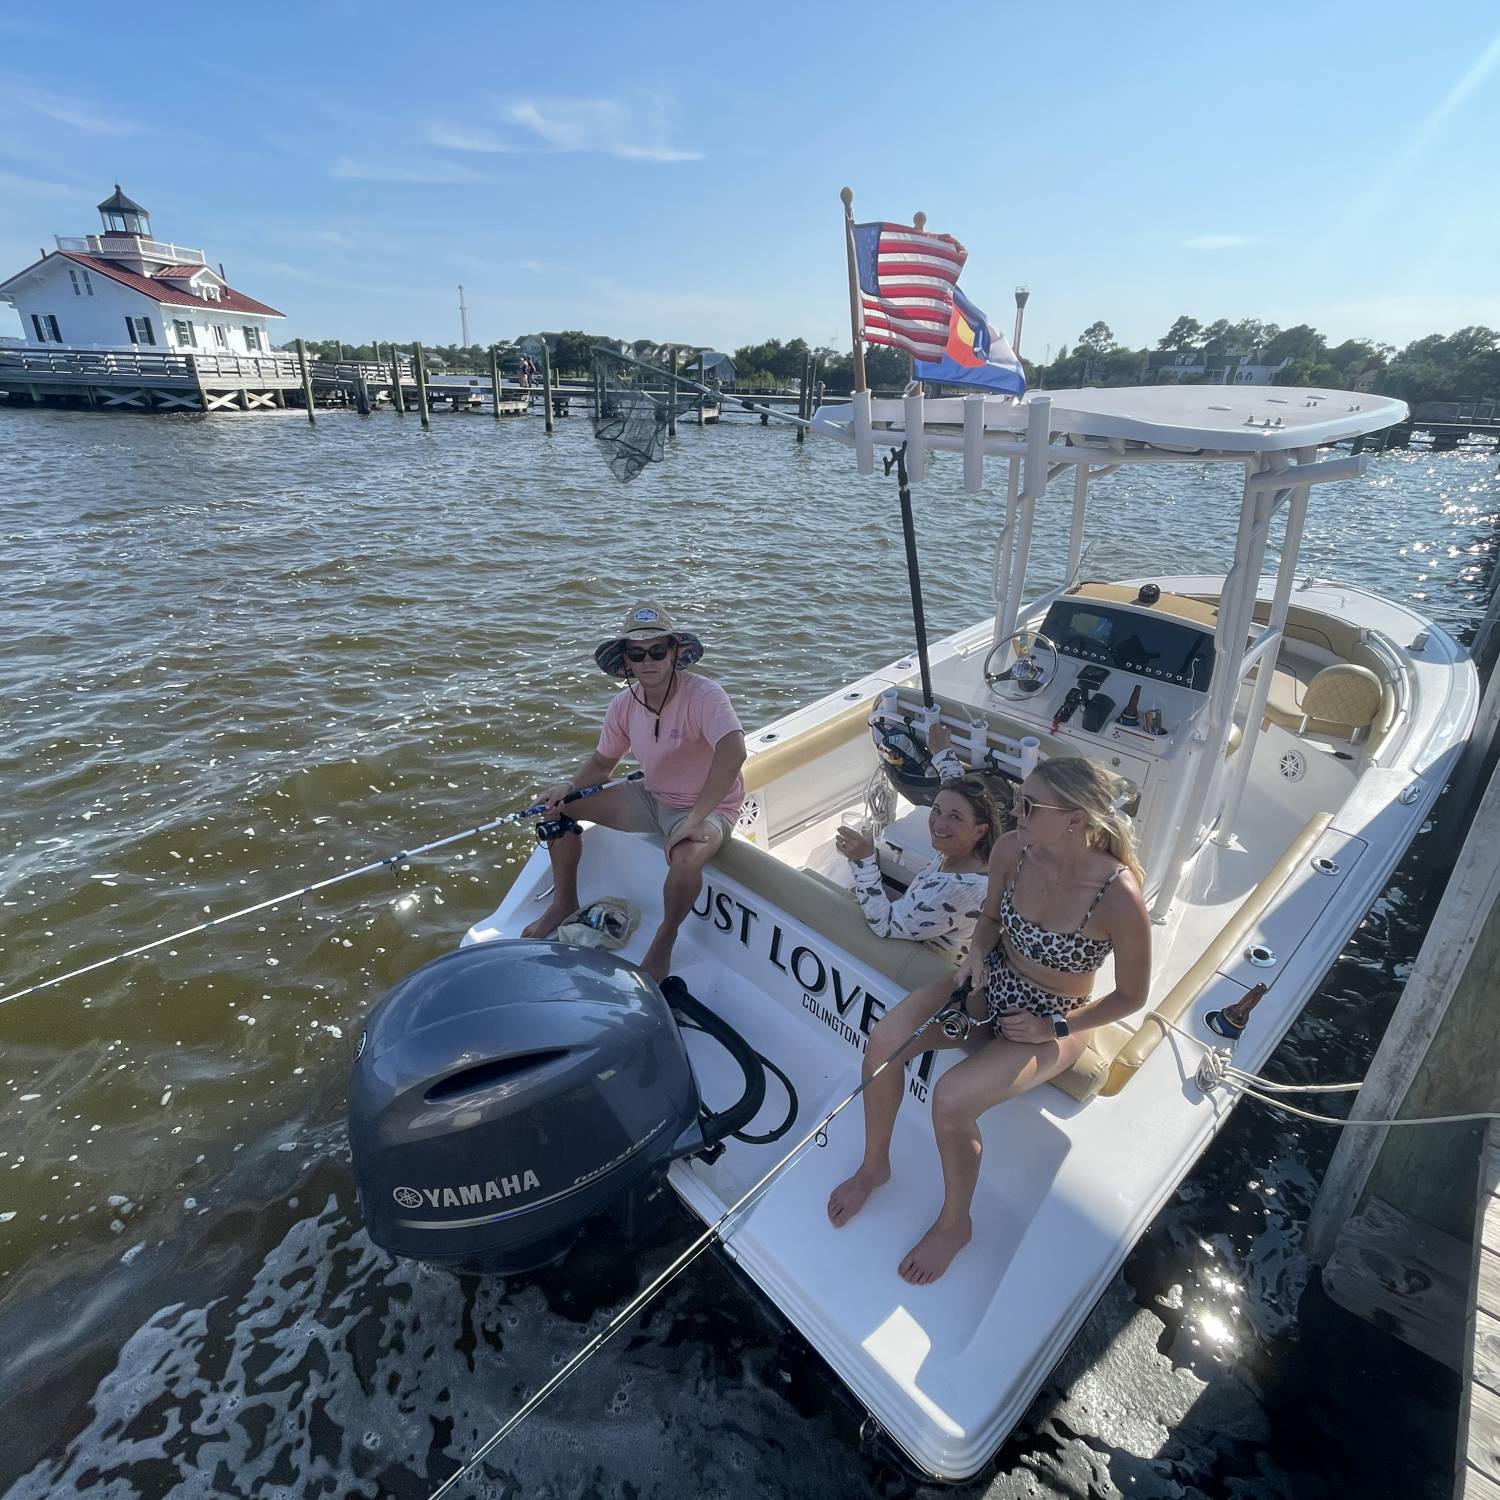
(122, 289)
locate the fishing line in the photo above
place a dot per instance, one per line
(716, 1230)
(535, 810)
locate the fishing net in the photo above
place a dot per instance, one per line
(632, 409)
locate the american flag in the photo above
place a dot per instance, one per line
(906, 281)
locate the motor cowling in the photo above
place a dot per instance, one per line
(505, 1093)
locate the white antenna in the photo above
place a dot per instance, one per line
(463, 318)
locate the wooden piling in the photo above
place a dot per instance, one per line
(198, 381)
(702, 409)
(1393, 1217)
(804, 397)
(495, 376)
(547, 383)
(419, 369)
(672, 398)
(361, 391)
(396, 395)
(307, 395)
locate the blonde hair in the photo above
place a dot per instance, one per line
(1100, 795)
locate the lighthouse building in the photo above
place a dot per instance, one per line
(122, 289)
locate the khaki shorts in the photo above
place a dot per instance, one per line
(647, 815)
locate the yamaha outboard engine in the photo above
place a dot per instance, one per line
(505, 1093)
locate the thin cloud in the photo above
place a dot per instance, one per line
(63, 109)
(13, 182)
(610, 126)
(460, 138)
(405, 171)
(1216, 242)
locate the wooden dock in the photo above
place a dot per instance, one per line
(1479, 1414)
(149, 380)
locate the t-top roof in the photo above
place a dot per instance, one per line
(1239, 419)
(1212, 419)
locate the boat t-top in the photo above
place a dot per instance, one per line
(1283, 738)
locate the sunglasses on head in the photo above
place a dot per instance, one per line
(1025, 805)
(658, 652)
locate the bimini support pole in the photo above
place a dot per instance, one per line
(1206, 744)
(1005, 548)
(1286, 574)
(1080, 512)
(1033, 482)
(974, 443)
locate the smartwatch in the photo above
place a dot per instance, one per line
(1060, 1025)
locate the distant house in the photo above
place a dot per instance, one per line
(123, 288)
(718, 369)
(1239, 367)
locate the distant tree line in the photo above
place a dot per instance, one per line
(1440, 367)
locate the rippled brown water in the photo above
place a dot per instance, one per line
(242, 655)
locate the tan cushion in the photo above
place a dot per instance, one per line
(1343, 695)
(832, 911)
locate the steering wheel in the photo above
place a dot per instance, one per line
(1024, 673)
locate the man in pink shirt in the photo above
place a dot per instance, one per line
(684, 734)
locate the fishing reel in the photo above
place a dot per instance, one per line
(954, 1020)
(550, 829)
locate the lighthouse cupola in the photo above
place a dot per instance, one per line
(120, 215)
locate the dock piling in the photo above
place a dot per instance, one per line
(198, 381)
(547, 383)
(397, 398)
(495, 377)
(361, 391)
(419, 369)
(672, 398)
(307, 394)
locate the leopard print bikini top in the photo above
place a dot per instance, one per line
(1067, 952)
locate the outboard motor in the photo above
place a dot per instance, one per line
(505, 1093)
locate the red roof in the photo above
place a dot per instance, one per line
(229, 299)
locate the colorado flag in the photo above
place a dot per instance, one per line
(976, 354)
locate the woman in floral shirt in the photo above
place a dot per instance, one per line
(943, 902)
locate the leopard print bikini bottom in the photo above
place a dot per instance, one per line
(1006, 992)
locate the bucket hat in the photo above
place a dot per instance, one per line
(644, 622)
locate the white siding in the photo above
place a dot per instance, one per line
(98, 321)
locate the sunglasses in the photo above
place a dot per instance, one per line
(1025, 805)
(656, 653)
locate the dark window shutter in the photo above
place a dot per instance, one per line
(130, 329)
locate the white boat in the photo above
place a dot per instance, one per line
(1291, 735)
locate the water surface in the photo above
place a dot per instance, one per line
(243, 654)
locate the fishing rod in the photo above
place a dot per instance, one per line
(534, 811)
(955, 1023)
(706, 390)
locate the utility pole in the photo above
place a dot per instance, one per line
(463, 318)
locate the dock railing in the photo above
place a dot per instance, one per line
(147, 365)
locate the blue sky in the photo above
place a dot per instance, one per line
(672, 172)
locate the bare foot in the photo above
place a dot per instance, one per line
(549, 921)
(932, 1254)
(658, 960)
(849, 1196)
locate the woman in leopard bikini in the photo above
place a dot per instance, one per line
(1065, 892)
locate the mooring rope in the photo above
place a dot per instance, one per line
(1216, 1070)
(716, 1230)
(534, 811)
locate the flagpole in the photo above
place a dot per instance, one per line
(919, 223)
(856, 320)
